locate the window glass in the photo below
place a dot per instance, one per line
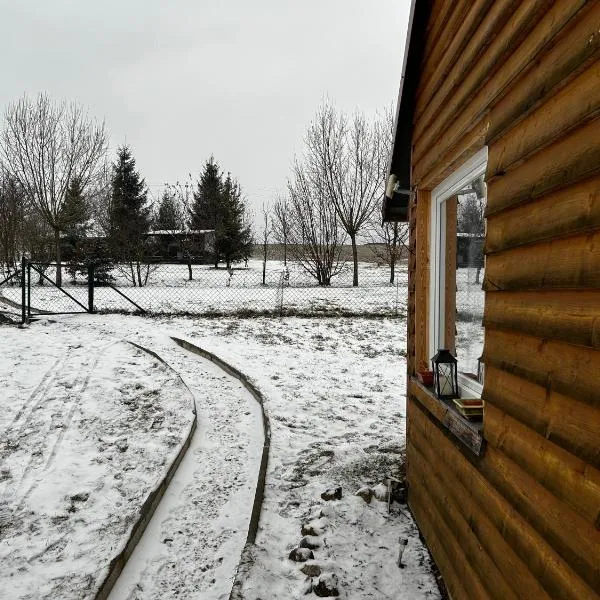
(470, 268)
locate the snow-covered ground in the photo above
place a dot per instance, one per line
(334, 390)
(169, 291)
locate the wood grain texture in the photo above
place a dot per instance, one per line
(528, 32)
(573, 158)
(422, 281)
(437, 68)
(571, 107)
(457, 120)
(564, 263)
(568, 423)
(469, 580)
(567, 369)
(571, 52)
(567, 477)
(553, 573)
(473, 60)
(514, 571)
(422, 515)
(563, 315)
(490, 582)
(568, 211)
(443, 30)
(574, 538)
(412, 270)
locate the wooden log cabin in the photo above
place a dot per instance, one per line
(499, 115)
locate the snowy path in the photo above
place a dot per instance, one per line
(193, 542)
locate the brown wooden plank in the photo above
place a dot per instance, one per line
(565, 368)
(431, 518)
(443, 28)
(572, 52)
(483, 50)
(557, 315)
(422, 281)
(447, 567)
(412, 265)
(435, 69)
(573, 158)
(574, 538)
(551, 570)
(450, 275)
(513, 569)
(565, 263)
(490, 581)
(535, 24)
(462, 112)
(572, 425)
(571, 210)
(571, 107)
(568, 478)
(435, 167)
(433, 405)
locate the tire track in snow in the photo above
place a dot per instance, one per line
(54, 389)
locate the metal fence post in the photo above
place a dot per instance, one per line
(28, 291)
(23, 291)
(91, 288)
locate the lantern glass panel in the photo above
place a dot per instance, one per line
(445, 374)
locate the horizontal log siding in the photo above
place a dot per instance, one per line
(523, 520)
(541, 564)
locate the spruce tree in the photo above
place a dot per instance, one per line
(205, 212)
(129, 215)
(168, 216)
(218, 205)
(234, 241)
(74, 224)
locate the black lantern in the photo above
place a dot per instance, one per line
(445, 375)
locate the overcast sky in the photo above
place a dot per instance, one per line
(181, 80)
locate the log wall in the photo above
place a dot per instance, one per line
(523, 519)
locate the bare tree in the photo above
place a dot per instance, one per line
(12, 217)
(351, 154)
(315, 237)
(265, 234)
(281, 224)
(45, 146)
(387, 242)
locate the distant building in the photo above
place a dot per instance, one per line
(180, 244)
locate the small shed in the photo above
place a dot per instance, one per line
(499, 116)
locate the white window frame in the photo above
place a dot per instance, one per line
(472, 169)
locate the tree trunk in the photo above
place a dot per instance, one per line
(285, 251)
(354, 259)
(189, 266)
(392, 270)
(264, 272)
(58, 257)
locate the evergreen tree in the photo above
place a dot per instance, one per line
(129, 216)
(234, 240)
(168, 217)
(74, 224)
(218, 205)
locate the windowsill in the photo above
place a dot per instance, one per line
(469, 433)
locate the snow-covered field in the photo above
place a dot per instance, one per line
(334, 390)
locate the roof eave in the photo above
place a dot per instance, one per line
(398, 189)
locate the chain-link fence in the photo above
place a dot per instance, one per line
(203, 290)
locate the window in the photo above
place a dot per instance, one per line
(457, 270)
